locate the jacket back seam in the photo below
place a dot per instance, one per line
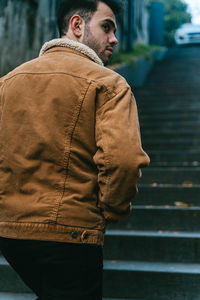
(66, 158)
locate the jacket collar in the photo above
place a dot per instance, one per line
(67, 43)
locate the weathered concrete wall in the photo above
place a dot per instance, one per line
(134, 27)
(24, 27)
(141, 21)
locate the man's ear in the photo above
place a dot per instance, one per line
(77, 26)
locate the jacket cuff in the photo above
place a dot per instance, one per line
(112, 217)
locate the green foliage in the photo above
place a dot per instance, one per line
(130, 57)
(122, 58)
(175, 15)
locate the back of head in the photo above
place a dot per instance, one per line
(84, 8)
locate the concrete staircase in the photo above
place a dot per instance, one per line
(155, 253)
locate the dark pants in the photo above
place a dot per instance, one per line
(57, 271)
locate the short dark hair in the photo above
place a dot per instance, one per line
(84, 8)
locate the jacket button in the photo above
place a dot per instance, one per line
(74, 234)
(86, 236)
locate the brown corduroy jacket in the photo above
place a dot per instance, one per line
(70, 149)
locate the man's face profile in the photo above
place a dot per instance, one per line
(99, 33)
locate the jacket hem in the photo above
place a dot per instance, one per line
(51, 232)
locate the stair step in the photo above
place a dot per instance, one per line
(12, 296)
(162, 164)
(168, 101)
(168, 116)
(162, 246)
(165, 121)
(155, 99)
(163, 110)
(153, 281)
(168, 194)
(17, 296)
(171, 175)
(173, 125)
(157, 267)
(171, 142)
(10, 281)
(145, 102)
(173, 91)
(145, 108)
(174, 155)
(163, 133)
(168, 145)
(143, 111)
(161, 218)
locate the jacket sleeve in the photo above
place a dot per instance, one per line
(119, 156)
(1, 88)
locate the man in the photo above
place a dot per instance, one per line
(70, 155)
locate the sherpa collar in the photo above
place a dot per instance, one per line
(67, 43)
